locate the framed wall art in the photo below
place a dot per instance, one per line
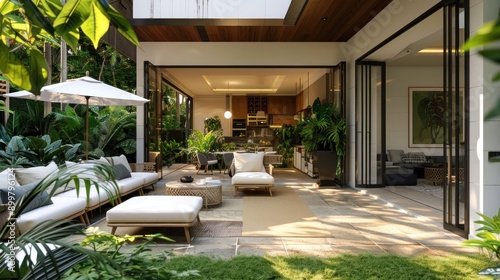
(426, 106)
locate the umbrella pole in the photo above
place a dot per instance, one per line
(87, 129)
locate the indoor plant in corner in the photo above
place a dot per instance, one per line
(324, 135)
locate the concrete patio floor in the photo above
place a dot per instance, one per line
(378, 221)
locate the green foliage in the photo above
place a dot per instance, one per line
(27, 24)
(488, 234)
(112, 131)
(41, 260)
(199, 142)
(228, 146)
(287, 137)
(343, 266)
(35, 151)
(212, 124)
(325, 130)
(46, 150)
(170, 151)
(139, 263)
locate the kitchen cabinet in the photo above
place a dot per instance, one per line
(239, 107)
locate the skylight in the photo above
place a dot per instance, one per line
(212, 9)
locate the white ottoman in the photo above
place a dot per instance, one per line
(156, 211)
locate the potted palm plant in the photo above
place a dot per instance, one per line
(324, 136)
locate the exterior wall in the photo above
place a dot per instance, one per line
(485, 178)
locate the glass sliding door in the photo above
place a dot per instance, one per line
(456, 132)
(153, 126)
(370, 124)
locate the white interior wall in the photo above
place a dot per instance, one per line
(399, 80)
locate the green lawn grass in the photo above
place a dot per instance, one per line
(362, 266)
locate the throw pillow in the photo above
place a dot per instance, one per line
(40, 199)
(121, 159)
(31, 174)
(248, 162)
(395, 155)
(415, 157)
(7, 179)
(121, 172)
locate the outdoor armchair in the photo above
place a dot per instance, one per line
(206, 160)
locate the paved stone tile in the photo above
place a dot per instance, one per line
(377, 221)
(304, 241)
(260, 240)
(262, 250)
(310, 250)
(358, 249)
(405, 250)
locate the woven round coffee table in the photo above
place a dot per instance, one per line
(211, 192)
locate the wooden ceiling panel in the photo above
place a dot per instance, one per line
(321, 21)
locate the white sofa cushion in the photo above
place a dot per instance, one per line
(130, 184)
(60, 209)
(156, 209)
(248, 162)
(94, 197)
(148, 177)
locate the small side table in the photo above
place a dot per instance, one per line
(434, 174)
(210, 192)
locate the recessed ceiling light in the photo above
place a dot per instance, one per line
(324, 18)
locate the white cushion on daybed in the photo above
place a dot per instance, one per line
(59, 210)
(156, 209)
(252, 178)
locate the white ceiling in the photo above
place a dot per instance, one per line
(208, 81)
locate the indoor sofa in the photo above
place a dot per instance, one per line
(67, 203)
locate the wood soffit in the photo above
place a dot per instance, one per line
(344, 18)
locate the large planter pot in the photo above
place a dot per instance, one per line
(327, 167)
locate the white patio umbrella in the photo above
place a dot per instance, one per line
(88, 91)
(84, 90)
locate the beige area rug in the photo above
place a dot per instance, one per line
(284, 214)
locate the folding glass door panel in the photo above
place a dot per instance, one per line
(337, 93)
(456, 132)
(370, 124)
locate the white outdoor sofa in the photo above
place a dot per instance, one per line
(67, 204)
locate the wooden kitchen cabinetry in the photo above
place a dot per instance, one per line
(281, 105)
(239, 107)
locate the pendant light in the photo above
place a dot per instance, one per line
(228, 113)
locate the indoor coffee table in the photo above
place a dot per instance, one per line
(211, 192)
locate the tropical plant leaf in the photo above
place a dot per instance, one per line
(96, 25)
(73, 14)
(13, 68)
(486, 34)
(38, 69)
(34, 14)
(122, 24)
